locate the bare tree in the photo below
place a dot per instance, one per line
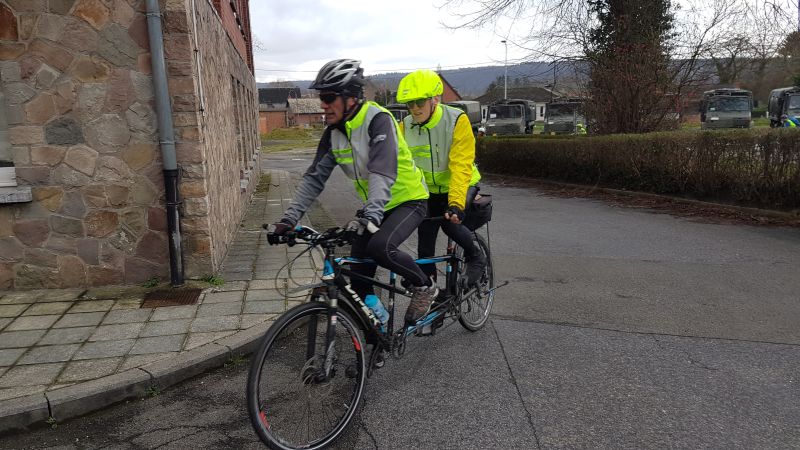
(715, 40)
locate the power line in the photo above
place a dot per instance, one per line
(475, 65)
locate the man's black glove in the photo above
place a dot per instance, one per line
(454, 211)
(276, 230)
(357, 227)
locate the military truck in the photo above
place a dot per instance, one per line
(512, 116)
(783, 101)
(472, 109)
(726, 108)
(398, 110)
(563, 116)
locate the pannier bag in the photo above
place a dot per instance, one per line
(479, 212)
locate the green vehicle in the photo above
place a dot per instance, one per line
(564, 116)
(783, 101)
(399, 111)
(509, 117)
(726, 108)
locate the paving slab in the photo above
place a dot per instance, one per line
(158, 344)
(17, 339)
(197, 339)
(222, 323)
(266, 307)
(67, 335)
(105, 349)
(78, 319)
(89, 370)
(12, 310)
(42, 309)
(219, 309)
(32, 323)
(91, 306)
(30, 375)
(174, 312)
(127, 316)
(219, 297)
(49, 354)
(166, 327)
(264, 294)
(117, 331)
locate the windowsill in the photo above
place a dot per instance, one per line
(17, 194)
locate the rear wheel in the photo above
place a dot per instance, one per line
(474, 309)
(291, 401)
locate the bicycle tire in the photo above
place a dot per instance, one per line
(474, 311)
(273, 408)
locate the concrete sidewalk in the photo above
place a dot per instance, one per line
(64, 353)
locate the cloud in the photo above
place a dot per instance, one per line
(302, 35)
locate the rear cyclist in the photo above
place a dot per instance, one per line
(440, 139)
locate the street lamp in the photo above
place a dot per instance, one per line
(505, 69)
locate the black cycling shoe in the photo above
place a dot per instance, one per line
(475, 268)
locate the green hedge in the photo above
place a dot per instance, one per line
(757, 167)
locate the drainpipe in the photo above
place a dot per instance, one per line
(166, 134)
(6, 159)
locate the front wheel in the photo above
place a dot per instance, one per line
(299, 393)
(474, 309)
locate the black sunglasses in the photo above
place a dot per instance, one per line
(328, 97)
(420, 103)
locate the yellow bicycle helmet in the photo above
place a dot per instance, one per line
(419, 84)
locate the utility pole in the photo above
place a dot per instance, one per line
(505, 69)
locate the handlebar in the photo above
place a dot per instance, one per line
(336, 236)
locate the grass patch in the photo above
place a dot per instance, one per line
(284, 146)
(292, 134)
(263, 184)
(152, 282)
(283, 139)
(213, 280)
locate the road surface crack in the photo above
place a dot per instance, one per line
(516, 386)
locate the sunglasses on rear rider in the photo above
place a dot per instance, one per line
(328, 97)
(418, 103)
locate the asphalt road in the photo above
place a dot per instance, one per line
(621, 328)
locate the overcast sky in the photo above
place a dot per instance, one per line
(298, 37)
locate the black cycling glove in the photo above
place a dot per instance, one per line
(276, 230)
(456, 211)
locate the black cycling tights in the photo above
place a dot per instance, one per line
(428, 230)
(383, 247)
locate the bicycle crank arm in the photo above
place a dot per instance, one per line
(503, 284)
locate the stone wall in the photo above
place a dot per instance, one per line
(219, 156)
(79, 99)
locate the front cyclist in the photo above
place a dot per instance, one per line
(362, 138)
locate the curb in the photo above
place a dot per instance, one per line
(19, 414)
(791, 216)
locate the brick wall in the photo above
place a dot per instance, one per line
(270, 120)
(235, 16)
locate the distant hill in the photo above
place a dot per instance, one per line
(470, 82)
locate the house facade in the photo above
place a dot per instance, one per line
(81, 135)
(305, 112)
